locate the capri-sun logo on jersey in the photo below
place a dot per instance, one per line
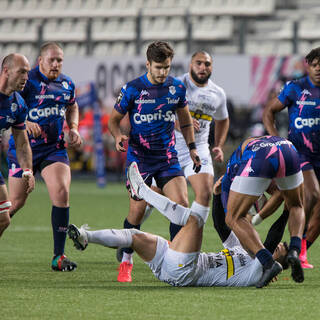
(35, 113)
(140, 118)
(299, 123)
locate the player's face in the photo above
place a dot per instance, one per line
(314, 71)
(201, 68)
(158, 71)
(18, 74)
(50, 63)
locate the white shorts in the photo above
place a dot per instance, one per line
(256, 186)
(175, 268)
(186, 162)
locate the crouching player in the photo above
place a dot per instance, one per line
(179, 263)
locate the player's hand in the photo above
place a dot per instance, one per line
(196, 160)
(119, 143)
(217, 186)
(28, 177)
(75, 140)
(196, 125)
(33, 129)
(218, 154)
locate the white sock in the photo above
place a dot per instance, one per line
(112, 238)
(200, 212)
(127, 257)
(173, 211)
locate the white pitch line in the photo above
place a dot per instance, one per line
(28, 229)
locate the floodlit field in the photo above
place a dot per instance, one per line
(30, 290)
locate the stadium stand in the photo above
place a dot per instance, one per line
(122, 27)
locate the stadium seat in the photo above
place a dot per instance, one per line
(211, 28)
(114, 29)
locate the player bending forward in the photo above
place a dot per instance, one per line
(179, 263)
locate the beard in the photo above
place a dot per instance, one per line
(199, 80)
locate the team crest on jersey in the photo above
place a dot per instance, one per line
(14, 107)
(65, 84)
(172, 90)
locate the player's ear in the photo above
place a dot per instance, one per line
(148, 65)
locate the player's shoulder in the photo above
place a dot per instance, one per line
(17, 98)
(175, 85)
(66, 80)
(297, 83)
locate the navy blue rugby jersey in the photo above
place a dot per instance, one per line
(47, 102)
(13, 112)
(302, 98)
(151, 110)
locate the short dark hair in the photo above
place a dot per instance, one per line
(158, 51)
(313, 54)
(202, 52)
(49, 45)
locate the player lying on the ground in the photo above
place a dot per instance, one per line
(180, 263)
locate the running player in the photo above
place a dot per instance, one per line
(152, 101)
(50, 96)
(302, 98)
(180, 263)
(13, 113)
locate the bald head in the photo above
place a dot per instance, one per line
(14, 73)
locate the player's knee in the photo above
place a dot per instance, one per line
(16, 205)
(204, 198)
(230, 220)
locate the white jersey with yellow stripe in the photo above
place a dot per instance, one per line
(234, 268)
(205, 104)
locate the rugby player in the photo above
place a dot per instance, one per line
(180, 263)
(50, 97)
(13, 113)
(302, 98)
(152, 100)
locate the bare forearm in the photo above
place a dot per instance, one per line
(24, 155)
(269, 122)
(188, 133)
(221, 132)
(72, 116)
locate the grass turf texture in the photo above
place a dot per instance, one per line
(30, 290)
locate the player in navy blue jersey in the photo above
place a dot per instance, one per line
(250, 170)
(13, 113)
(50, 96)
(152, 102)
(302, 98)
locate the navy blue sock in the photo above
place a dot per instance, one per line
(309, 244)
(265, 258)
(60, 222)
(295, 243)
(128, 225)
(174, 229)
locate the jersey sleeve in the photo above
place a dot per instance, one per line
(21, 115)
(72, 95)
(124, 100)
(183, 100)
(284, 96)
(222, 110)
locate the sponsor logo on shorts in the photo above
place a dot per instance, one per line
(35, 113)
(169, 116)
(10, 120)
(299, 122)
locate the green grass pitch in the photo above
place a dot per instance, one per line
(30, 290)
